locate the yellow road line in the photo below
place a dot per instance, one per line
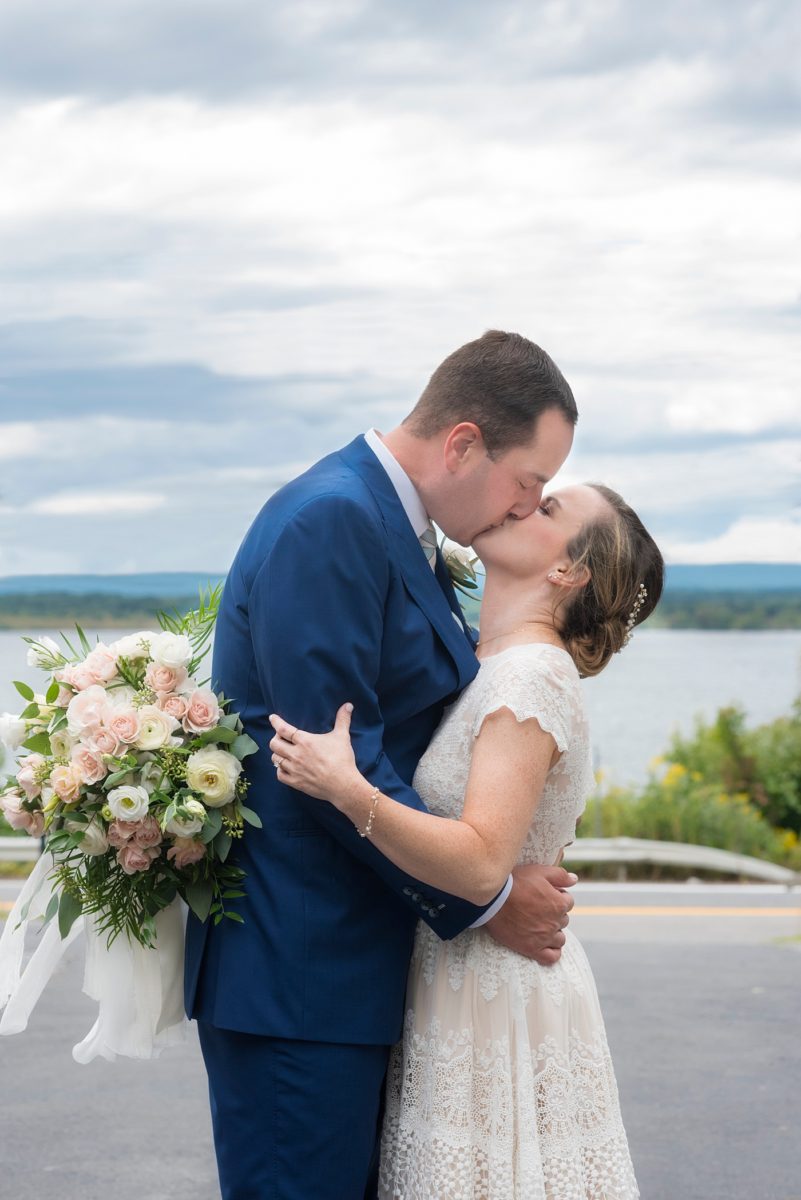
(665, 910)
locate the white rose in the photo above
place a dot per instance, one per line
(94, 841)
(188, 826)
(128, 803)
(43, 652)
(155, 729)
(133, 645)
(213, 773)
(171, 650)
(120, 695)
(12, 731)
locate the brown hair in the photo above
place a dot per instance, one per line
(621, 557)
(501, 382)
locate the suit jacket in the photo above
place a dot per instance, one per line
(330, 598)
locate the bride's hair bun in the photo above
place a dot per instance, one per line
(625, 575)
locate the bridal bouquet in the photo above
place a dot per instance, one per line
(132, 770)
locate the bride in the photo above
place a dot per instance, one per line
(503, 1087)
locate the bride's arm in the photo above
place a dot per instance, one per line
(470, 857)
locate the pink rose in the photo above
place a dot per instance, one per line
(147, 832)
(26, 775)
(90, 764)
(104, 742)
(133, 858)
(174, 705)
(101, 663)
(66, 782)
(19, 817)
(82, 677)
(88, 710)
(165, 679)
(120, 833)
(185, 851)
(124, 724)
(203, 712)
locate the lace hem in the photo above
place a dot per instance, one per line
(484, 1120)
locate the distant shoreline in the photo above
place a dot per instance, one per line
(732, 610)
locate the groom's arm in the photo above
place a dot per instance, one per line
(316, 612)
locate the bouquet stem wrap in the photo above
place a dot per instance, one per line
(138, 990)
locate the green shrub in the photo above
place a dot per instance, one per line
(681, 806)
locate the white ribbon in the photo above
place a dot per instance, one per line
(139, 991)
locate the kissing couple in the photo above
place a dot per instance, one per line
(403, 1013)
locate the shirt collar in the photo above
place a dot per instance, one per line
(407, 493)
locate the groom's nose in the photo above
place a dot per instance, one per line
(527, 503)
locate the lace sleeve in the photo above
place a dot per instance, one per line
(531, 681)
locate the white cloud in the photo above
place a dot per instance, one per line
(97, 504)
(19, 439)
(751, 539)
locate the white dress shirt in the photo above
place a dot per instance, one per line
(418, 517)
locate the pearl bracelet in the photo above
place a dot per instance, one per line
(368, 829)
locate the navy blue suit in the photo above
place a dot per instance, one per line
(330, 598)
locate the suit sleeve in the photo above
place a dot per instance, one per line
(317, 622)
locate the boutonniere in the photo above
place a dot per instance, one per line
(461, 567)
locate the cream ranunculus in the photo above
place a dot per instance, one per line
(61, 743)
(188, 826)
(128, 803)
(213, 774)
(171, 650)
(155, 728)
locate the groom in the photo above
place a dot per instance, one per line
(339, 593)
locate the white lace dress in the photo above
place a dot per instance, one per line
(503, 1087)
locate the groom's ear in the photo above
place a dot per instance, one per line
(463, 445)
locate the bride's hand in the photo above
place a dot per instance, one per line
(322, 765)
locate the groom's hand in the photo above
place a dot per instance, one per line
(532, 920)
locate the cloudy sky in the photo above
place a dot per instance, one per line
(233, 235)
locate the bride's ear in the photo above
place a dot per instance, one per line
(570, 575)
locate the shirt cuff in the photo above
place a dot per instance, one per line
(496, 905)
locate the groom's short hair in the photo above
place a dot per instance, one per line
(501, 382)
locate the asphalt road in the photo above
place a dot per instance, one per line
(701, 989)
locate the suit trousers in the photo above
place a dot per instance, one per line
(294, 1120)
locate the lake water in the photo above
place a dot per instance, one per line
(659, 683)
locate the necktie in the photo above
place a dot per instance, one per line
(428, 541)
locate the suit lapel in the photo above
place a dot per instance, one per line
(432, 590)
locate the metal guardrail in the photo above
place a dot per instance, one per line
(624, 850)
(19, 849)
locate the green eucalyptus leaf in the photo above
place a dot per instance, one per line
(69, 909)
(51, 695)
(212, 825)
(26, 692)
(243, 746)
(250, 816)
(199, 897)
(222, 845)
(220, 733)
